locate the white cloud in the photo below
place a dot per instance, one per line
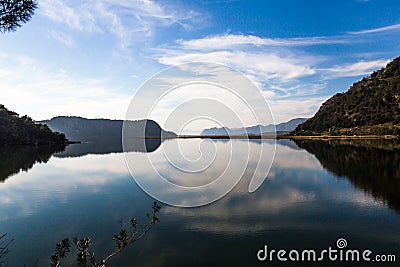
(89, 173)
(130, 21)
(296, 89)
(291, 81)
(262, 59)
(77, 18)
(42, 93)
(279, 66)
(355, 69)
(258, 64)
(286, 109)
(232, 40)
(63, 38)
(179, 94)
(275, 65)
(378, 30)
(277, 71)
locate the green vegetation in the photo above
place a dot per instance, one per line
(15, 12)
(370, 107)
(16, 130)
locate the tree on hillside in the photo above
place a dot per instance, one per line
(13, 13)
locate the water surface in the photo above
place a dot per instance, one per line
(314, 194)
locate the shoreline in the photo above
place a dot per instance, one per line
(277, 137)
(336, 137)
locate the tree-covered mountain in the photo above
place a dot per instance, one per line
(255, 130)
(370, 106)
(17, 130)
(91, 130)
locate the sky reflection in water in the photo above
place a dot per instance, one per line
(300, 204)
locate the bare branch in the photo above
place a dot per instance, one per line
(121, 240)
(4, 248)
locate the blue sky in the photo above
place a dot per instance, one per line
(88, 58)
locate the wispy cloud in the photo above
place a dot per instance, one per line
(292, 80)
(258, 64)
(288, 70)
(77, 17)
(355, 69)
(130, 21)
(63, 38)
(378, 30)
(232, 40)
(272, 64)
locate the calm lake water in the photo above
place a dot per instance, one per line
(315, 193)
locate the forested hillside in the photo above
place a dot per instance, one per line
(370, 106)
(22, 130)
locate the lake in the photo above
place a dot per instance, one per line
(315, 193)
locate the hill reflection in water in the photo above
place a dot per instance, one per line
(371, 165)
(110, 145)
(299, 205)
(22, 158)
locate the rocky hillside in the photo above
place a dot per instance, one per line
(17, 130)
(370, 106)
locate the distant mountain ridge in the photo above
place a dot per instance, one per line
(255, 130)
(22, 130)
(86, 130)
(370, 106)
